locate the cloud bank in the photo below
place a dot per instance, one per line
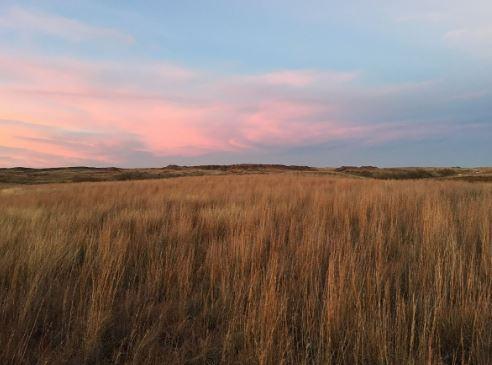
(67, 107)
(63, 111)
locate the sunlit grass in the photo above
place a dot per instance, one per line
(259, 269)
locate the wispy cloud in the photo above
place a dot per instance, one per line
(35, 23)
(301, 78)
(103, 113)
(477, 40)
(455, 24)
(426, 17)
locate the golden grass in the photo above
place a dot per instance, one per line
(253, 269)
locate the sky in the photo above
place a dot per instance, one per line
(321, 83)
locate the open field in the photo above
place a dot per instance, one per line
(252, 269)
(21, 175)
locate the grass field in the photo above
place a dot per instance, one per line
(27, 176)
(285, 268)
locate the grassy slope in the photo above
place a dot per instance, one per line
(88, 174)
(22, 175)
(403, 173)
(252, 269)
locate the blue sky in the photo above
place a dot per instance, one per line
(314, 82)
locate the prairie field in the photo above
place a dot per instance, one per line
(287, 268)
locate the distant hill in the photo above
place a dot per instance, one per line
(23, 175)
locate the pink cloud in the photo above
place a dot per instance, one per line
(280, 122)
(289, 78)
(86, 112)
(40, 139)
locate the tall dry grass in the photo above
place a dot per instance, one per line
(247, 270)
